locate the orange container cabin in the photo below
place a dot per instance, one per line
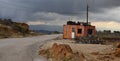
(78, 29)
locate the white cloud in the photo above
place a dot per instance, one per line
(35, 23)
(112, 25)
(49, 16)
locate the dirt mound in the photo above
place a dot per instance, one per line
(105, 57)
(118, 45)
(8, 28)
(117, 50)
(62, 52)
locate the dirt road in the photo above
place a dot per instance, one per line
(23, 49)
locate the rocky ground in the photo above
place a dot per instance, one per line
(91, 52)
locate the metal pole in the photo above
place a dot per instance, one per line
(87, 14)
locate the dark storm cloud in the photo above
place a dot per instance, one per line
(25, 10)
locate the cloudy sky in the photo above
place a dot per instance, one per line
(104, 14)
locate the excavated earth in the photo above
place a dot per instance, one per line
(88, 52)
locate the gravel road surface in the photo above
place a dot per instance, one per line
(23, 49)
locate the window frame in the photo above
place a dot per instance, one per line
(79, 31)
(90, 31)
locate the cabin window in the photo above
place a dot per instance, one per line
(90, 31)
(73, 29)
(79, 31)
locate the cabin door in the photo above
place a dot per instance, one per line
(73, 33)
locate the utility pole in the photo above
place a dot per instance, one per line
(87, 14)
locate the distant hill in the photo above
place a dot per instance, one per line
(58, 28)
(8, 28)
(43, 31)
(46, 32)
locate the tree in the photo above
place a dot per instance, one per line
(55, 32)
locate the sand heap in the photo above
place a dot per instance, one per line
(117, 51)
(61, 52)
(118, 45)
